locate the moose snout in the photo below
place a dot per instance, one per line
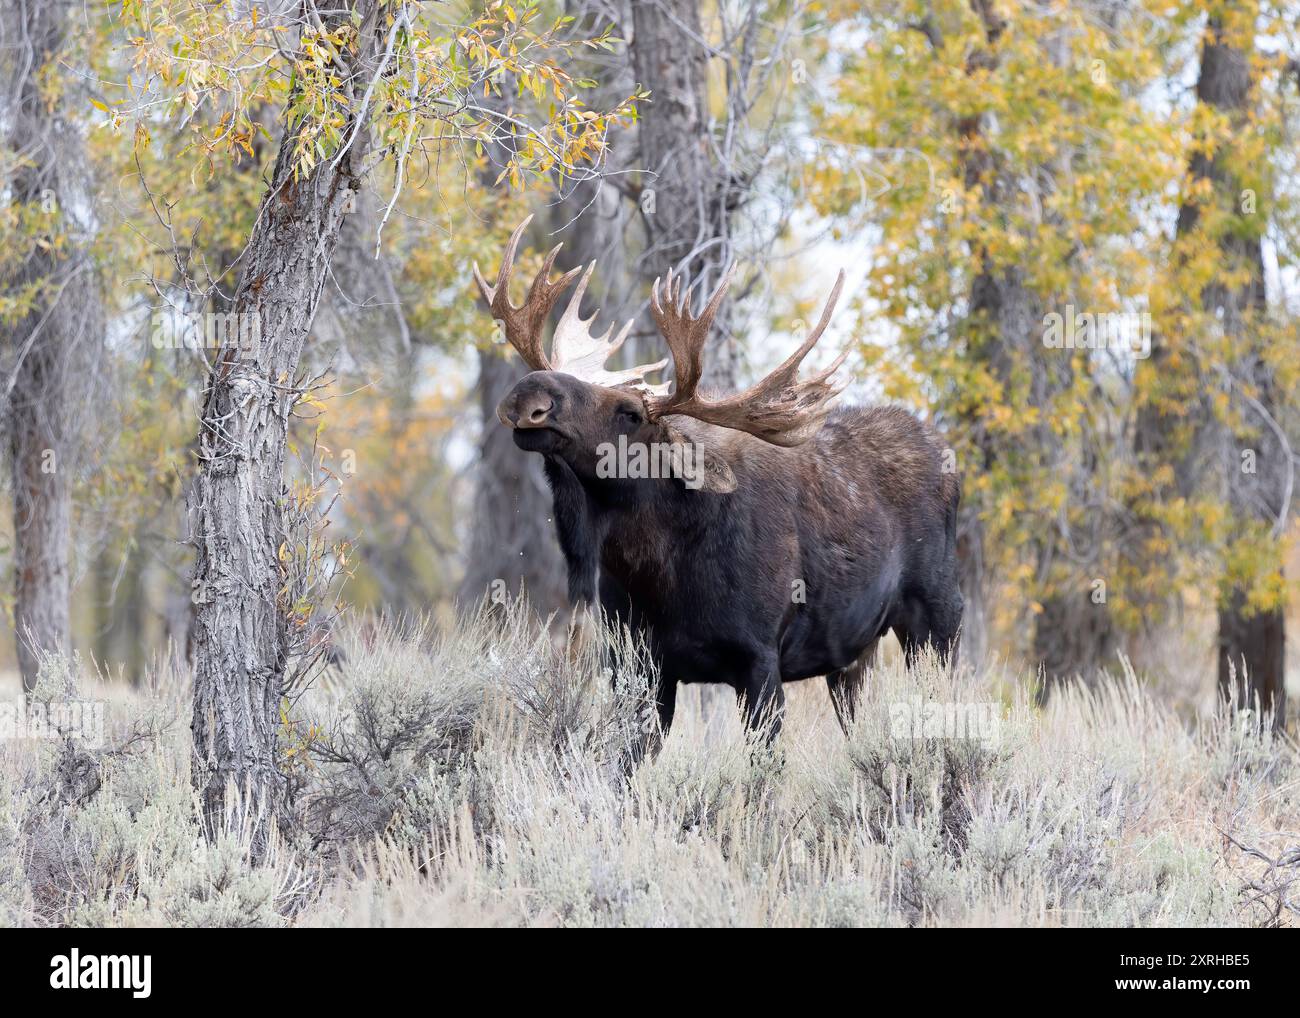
(525, 410)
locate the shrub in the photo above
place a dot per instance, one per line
(487, 775)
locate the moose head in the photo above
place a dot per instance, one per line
(572, 405)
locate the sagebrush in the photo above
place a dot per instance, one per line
(483, 775)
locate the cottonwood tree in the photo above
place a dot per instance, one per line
(359, 83)
(1211, 429)
(240, 640)
(682, 201)
(1257, 460)
(51, 321)
(723, 148)
(990, 221)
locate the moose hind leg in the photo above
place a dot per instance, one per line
(933, 621)
(762, 698)
(945, 625)
(911, 624)
(845, 686)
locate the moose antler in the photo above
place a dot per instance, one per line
(779, 409)
(574, 350)
(524, 324)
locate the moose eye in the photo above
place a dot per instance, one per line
(629, 416)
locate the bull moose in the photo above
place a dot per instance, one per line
(797, 538)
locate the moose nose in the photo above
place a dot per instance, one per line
(528, 411)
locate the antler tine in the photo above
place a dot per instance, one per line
(524, 323)
(543, 277)
(576, 351)
(568, 326)
(785, 374)
(779, 408)
(685, 334)
(503, 274)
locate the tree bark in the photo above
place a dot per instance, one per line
(513, 548)
(241, 639)
(685, 196)
(46, 351)
(42, 509)
(1251, 641)
(1073, 635)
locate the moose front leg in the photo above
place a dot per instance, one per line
(652, 725)
(631, 646)
(762, 697)
(630, 649)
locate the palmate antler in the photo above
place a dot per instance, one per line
(574, 350)
(779, 408)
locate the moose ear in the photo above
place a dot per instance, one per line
(703, 468)
(718, 477)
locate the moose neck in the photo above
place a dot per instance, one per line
(639, 518)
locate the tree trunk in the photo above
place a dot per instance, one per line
(1251, 641)
(512, 546)
(241, 638)
(42, 512)
(45, 350)
(999, 301)
(685, 195)
(1252, 656)
(1073, 634)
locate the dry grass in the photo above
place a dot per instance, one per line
(477, 777)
